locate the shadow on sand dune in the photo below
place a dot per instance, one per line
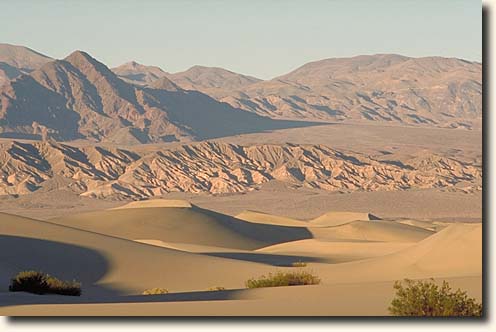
(265, 233)
(269, 259)
(64, 261)
(25, 298)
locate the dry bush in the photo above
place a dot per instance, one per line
(299, 264)
(155, 291)
(216, 288)
(425, 298)
(41, 283)
(280, 278)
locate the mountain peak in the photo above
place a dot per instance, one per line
(88, 65)
(79, 56)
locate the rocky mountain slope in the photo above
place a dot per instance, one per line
(16, 60)
(432, 91)
(435, 91)
(137, 73)
(80, 98)
(22, 57)
(216, 168)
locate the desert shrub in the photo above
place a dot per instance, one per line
(283, 279)
(299, 264)
(155, 291)
(41, 283)
(425, 298)
(216, 288)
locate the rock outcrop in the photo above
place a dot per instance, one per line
(216, 168)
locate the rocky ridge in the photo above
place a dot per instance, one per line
(217, 168)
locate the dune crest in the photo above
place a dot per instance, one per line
(335, 218)
(155, 203)
(265, 218)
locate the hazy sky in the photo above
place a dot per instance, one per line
(259, 38)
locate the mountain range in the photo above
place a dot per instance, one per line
(217, 168)
(80, 98)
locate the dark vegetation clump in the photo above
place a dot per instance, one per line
(41, 283)
(280, 278)
(425, 298)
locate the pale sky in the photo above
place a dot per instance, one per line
(254, 37)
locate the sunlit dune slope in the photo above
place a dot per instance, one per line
(379, 230)
(184, 225)
(335, 218)
(455, 251)
(265, 218)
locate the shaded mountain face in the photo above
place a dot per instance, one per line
(8, 72)
(80, 98)
(216, 168)
(435, 91)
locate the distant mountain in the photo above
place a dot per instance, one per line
(17, 60)
(21, 57)
(216, 168)
(434, 91)
(136, 73)
(216, 82)
(213, 81)
(80, 98)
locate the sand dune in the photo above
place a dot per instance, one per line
(335, 218)
(432, 226)
(153, 203)
(184, 225)
(358, 299)
(452, 252)
(388, 231)
(189, 249)
(336, 251)
(264, 218)
(109, 265)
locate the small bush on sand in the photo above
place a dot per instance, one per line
(155, 291)
(425, 298)
(283, 279)
(216, 288)
(41, 283)
(299, 264)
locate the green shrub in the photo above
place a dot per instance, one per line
(216, 288)
(155, 291)
(283, 279)
(425, 298)
(42, 283)
(299, 264)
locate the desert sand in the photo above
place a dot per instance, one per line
(187, 249)
(367, 170)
